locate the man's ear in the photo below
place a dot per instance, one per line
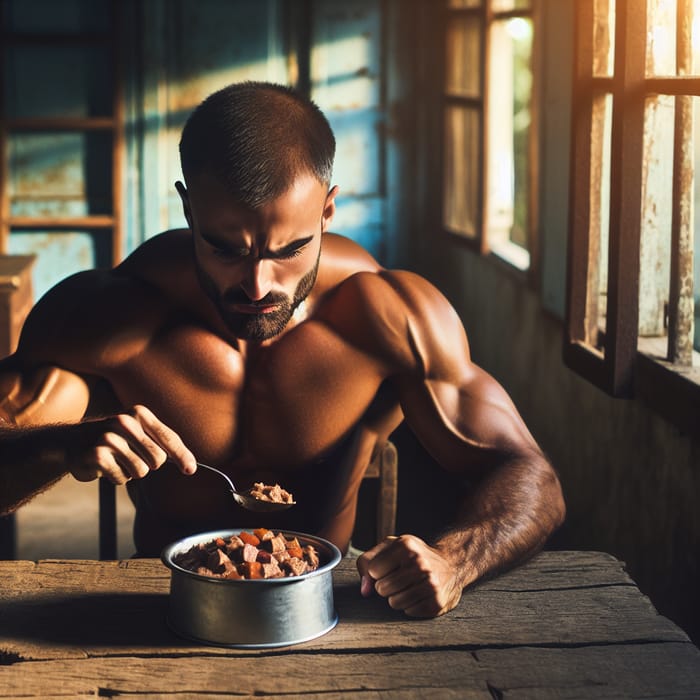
(182, 191)
(329, 208)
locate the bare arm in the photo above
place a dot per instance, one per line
(44, 430)
(43, 437)
(469, 424)
(32, 443)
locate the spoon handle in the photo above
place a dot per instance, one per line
(220, 473)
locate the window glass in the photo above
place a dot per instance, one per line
(694, 22)
(661, 39)
(509, 135)
(603, 37)
(657, 208)
(599, 226)
(461, 177)
(463, 56)
(489, 136)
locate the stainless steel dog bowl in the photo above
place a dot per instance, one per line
(251, 613)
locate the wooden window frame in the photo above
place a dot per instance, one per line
(659, 371)
(479, 241)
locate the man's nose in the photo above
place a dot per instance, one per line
(257, 282)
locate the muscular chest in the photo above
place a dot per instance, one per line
(288, 403)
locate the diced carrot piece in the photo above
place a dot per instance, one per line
(252, 569)
(260, 532)
(220, 542)
(249, 538)
(295, 552)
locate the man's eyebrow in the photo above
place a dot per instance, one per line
(287, 250)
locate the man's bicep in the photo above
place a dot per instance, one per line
(467, 423)
(40, 395)
(461, 414)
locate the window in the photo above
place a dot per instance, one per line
(632, 298)
(488, 145)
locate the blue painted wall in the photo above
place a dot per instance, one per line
(175, 54)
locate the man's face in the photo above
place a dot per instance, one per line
(257, 266)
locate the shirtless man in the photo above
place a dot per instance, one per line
(260, 343)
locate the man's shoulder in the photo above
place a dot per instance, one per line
(78, 322)
(404, 291)
(342, 258)
(398, 312)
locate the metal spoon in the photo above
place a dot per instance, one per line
(245, 500)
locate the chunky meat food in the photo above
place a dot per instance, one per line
(275, 494)
(250, 555)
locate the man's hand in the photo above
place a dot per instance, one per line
(411, 575)
(126, 446)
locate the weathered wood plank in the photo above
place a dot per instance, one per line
(642, 671)
(75, 609)
(563, 570)
(547, 570)
(561, 617)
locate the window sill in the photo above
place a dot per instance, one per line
(672, 391)
(506, 256)
(512, 254)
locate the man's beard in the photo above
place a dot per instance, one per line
(262, 326)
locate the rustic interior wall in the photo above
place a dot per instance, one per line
(631, 480)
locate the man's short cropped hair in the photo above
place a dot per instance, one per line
(256, 138)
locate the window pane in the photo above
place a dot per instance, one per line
(461, 175)
(510, 5)
(683, 306)
(603, 37)
(509, 121)
(661, 41)
(599, 225)
(669, 201)
(464, 56)
(657, 207)
(674, 46)
(693, 14)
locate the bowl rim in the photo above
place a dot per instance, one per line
(185, 543)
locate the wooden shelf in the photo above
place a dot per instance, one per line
(60, 222)
(60, 124)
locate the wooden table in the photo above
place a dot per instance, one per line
(565, 625)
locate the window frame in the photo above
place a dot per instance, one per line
(479, 242)
(628, 365)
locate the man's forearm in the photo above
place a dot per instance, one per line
(31, 460)
(507, 518)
